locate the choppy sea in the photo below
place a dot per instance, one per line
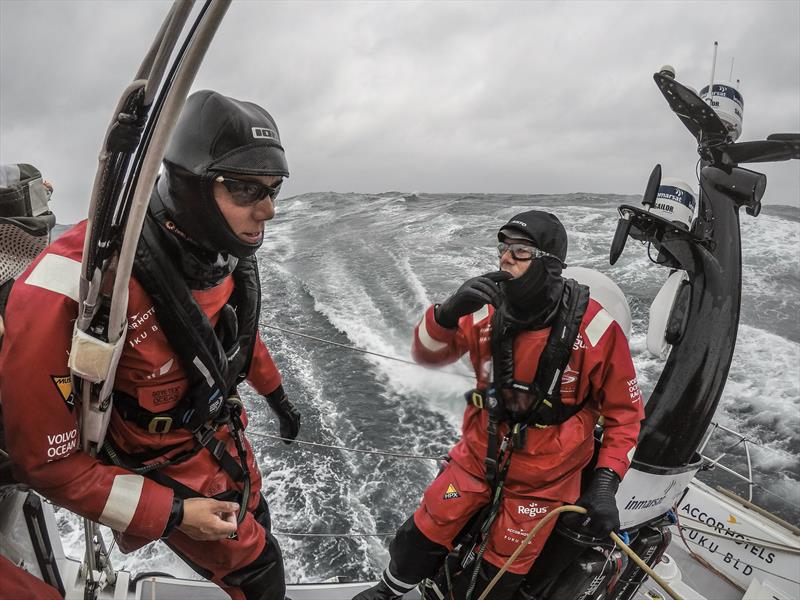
(359, 270)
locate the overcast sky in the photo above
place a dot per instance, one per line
(536, 97)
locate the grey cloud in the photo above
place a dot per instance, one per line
(487, 97)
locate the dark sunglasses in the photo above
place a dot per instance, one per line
(522, 251)
(247, 193)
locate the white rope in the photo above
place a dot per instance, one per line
(379, 452)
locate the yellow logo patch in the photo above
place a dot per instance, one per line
(63, 384)
(451, 492)
(732, 519)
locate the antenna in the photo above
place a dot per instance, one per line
(730, 77)
(713, 68)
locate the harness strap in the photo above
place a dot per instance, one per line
(548, 408)
(204, 439)
(129, 409)
(497, 484)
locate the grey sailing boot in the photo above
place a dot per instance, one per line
(381, 591)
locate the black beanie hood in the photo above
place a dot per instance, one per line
(542, 228)
(217, 134)
(532, 299)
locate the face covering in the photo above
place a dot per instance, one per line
(532, 299)
(202, 268)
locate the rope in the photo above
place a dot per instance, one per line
(578, 509)
(337, 535)
(361, 350)
(379, 452)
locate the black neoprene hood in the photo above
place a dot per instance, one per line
(217, 134)
(540, 227)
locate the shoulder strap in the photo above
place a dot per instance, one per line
(546, 385)
(246, 300)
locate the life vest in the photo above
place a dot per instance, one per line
(216, 360)
(546, 408)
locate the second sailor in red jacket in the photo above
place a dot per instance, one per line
(504, 321)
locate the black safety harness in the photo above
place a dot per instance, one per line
(546, 410)
(215, 359)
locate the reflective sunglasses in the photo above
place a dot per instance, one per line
(522, 251)
(247, 193)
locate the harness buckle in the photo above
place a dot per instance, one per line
(160, 425)
(477, 399)
(205, 434)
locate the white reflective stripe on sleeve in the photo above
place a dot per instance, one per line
(426, 340)
(480, 314)
(600, 323)
(122, 502)
(58, 274)
(396, 585)
(631, 452)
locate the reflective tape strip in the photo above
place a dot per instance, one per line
(202, 368)
(426, 340)
(480, 314)
(58, 274)
(600, 323)
(630, 454)
(396, 585)
(122, 502)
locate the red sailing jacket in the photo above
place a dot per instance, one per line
(600, 369)
(40, 418)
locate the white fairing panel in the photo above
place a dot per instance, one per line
(659, 314)
(644, 496)
(604, 291)
(743, 544)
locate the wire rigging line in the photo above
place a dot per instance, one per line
(332, 535)
(713, 463)
(317, 444)
(354, 349)
(466, 375)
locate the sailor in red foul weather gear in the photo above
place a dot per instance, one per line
(513, 324)
(192, 336)
(25, 224)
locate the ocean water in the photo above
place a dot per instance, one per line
(359, 270)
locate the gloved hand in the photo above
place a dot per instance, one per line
(288, 415)
(602, 516)
(472, 294)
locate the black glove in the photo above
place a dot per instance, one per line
(602, 515)
(288, 415)
(472, 294)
